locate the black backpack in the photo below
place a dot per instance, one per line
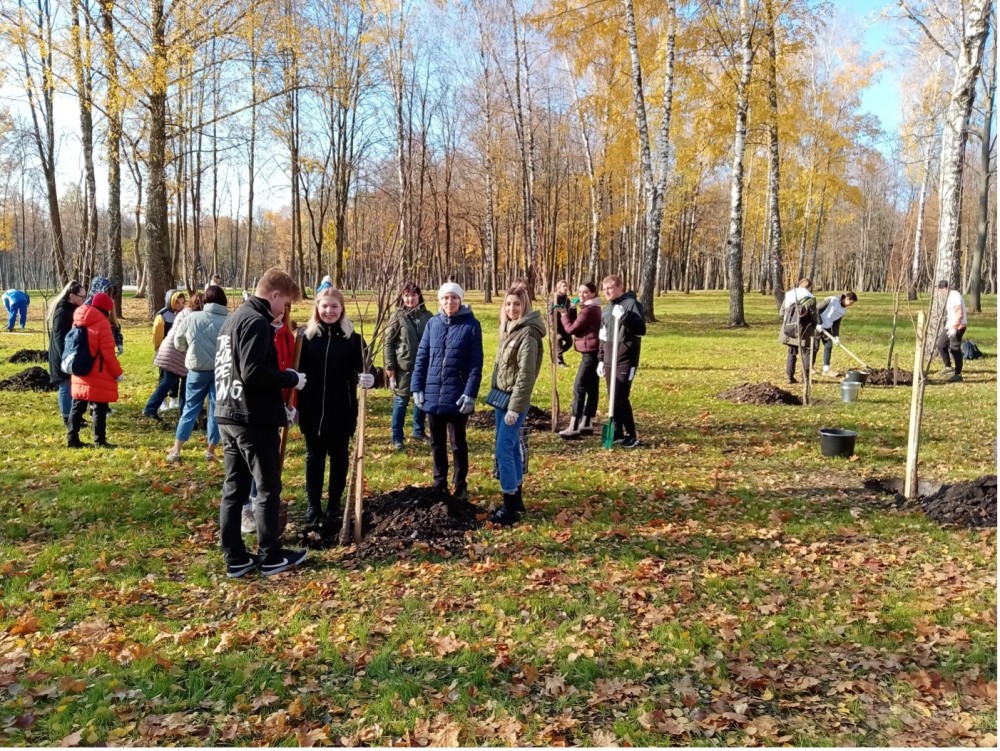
(76, 359)
(970, 351)
(799, 320)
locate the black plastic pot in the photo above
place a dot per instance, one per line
(857, 376)
(837, 442)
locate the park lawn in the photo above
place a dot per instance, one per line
(721, 585)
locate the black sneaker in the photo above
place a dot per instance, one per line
(505, 517)
(313, 515)
(955, 378)
(461, 493)
(282, 561)
(75, 443)
(152, 416)
(629, 442)
(237, 569)
(104, 445)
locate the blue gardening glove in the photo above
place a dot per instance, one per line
(418, 399)
(292, 415)
(366, 380)
(465, 404)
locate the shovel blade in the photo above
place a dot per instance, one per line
(608, 434)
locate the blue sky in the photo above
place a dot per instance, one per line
(882, 98)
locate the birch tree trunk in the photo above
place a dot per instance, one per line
(975, 286)
(83, 71)
(777, 267)
(158, 261)
(734, 242)
(918, 234)
(114, 104)
(654, 184)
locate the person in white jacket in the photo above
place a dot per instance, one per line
(831, 312)
(949, 343)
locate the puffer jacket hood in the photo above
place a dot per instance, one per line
(168, 356)
(519, 359)
(99, 385)
(197, 336)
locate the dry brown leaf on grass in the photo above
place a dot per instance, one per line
(446, 645)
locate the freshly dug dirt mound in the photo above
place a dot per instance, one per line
(883, 377)
(32, 379)
(537, 419)
(29, 355)
(396, 522)
(964, 504)
(759, 393)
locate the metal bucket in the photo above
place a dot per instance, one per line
(858, 376)
(849, 390)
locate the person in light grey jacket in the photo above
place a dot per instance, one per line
(197, 336)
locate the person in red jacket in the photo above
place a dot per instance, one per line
(585, 327)
(100, 385)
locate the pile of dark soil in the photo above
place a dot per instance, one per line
(964, 504)
(29, 355)
(537, 419)
(883, 377)
(396, 522)
(32, 379)
(759, 393)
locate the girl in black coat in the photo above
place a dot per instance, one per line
(333, 361)
(60, 322)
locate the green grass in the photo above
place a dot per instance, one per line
(722, 585)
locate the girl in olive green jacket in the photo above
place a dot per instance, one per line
(402, 338)
(515, 370)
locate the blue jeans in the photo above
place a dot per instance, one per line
(399, 405)
(168, 382)
(65, 398)
(199, 383)
(22, 308)
(510, 462)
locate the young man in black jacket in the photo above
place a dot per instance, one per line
(250, 411)
(625, 311)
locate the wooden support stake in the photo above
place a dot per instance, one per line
(359, 476)
(916, 412)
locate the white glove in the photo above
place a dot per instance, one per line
(366, 380)
(618, 312)
(631, 374)
(952, 333)
(302, 380)
(466, 404)
(418, 399)
(120, 348)
(602, 335)
(836, 340)
(600, 370)
(511, 417)
(120, 378)
(292, 414)
(392, 382)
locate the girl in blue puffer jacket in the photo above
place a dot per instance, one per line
(445, 383)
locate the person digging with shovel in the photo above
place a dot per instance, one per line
(333, 361)
(831, 312)
(623, 314)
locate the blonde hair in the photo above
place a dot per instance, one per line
(312, 328)
(520, 291)
(73, 288)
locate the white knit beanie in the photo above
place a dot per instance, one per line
(450, 288)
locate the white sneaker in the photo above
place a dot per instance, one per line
(826, 370)
(248, 523)
(173, 457)
(171, 403)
